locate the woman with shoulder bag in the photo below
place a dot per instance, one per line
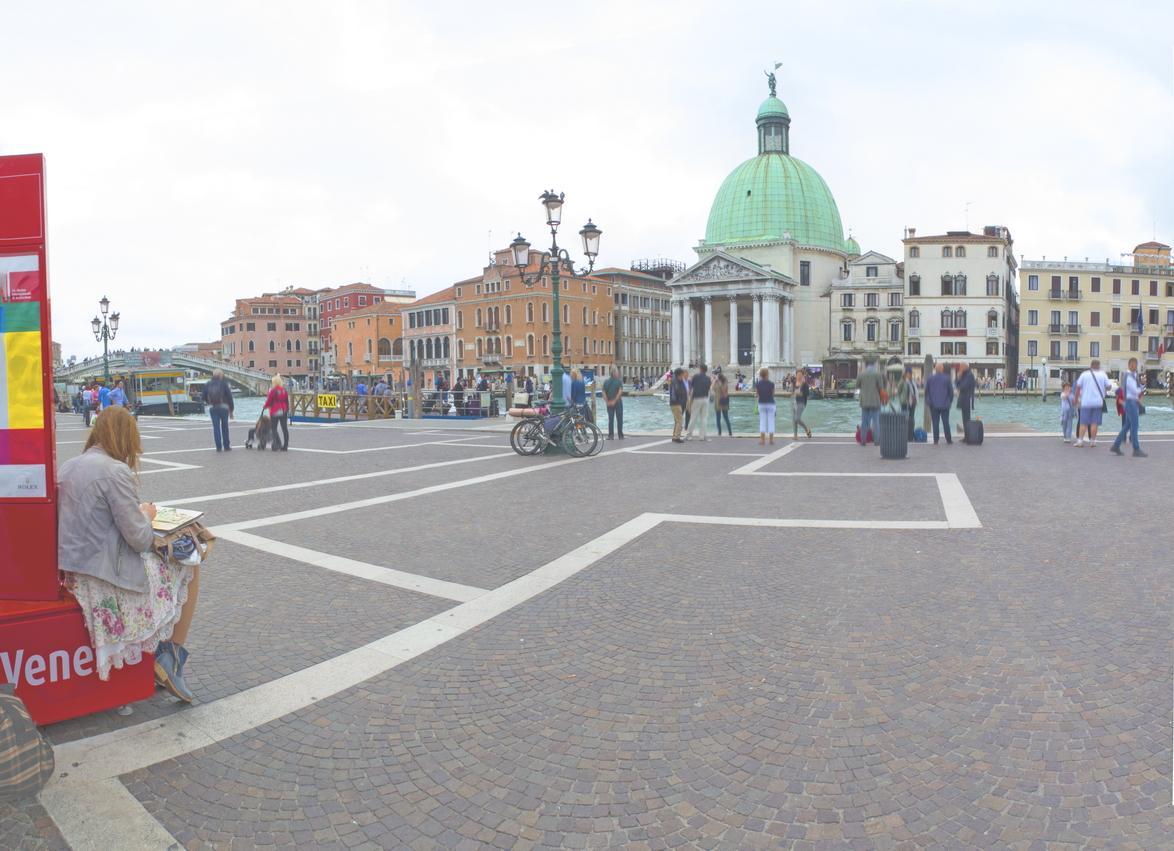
(802, 393)
(277, 403)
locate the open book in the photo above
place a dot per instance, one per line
(167, 519)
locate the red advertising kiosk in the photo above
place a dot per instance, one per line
(44, 646)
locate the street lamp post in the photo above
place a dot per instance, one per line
(1032, 376)
(104, 331)
(551, 260)
(1044, 395)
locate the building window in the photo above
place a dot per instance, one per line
(992, 285)
(1116, 315)
(272, 346)
(914, 285)
(530, 345)
(894, 299)
(992, 319)
(1033, 282)
(346, 302)
(870, 271)
(1169, 289)
(947, 251)
(509, 315)
(1094, 319)
(1032, 348)
(947, 285)
(585, 312)
(566, 314)
(1116, 286)
(1094, 284)
(846, 331)
(915, 347)
(947, 348)
(1094, 349)
(915, 319)
(870, 331)
(959, 285)
(959, 348)
(1033, 317)
(894, 332)
(273, 363)
(1153, 288)
(250, 326)
(993, 251)
(804, 273)
(1135, 287)
(478, 315)
(270, 326)
(362, 300)
(871, 299)
(545, 312)
(1115, 342)
(914, 251)
(530, 311)
(960, 251)
(1054, 349)
(947, 319)
(545, 345)
(992, 347)
(251, 349)
(847, 299)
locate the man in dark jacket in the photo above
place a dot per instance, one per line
(939, 394)
(218, 398)
(966, 387)
(678, 401)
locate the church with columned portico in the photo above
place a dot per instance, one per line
(758, 295)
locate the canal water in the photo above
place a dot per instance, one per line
(646, 413)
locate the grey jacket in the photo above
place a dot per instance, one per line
(870, 383)
(100, 528)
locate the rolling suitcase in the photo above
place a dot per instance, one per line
(973, 434)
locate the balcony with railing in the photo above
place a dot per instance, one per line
(1056, 329)
(1072, 359)
(992, 332)
(1055, 295)
(1152, 354)
(913, 333)
(1071, 329)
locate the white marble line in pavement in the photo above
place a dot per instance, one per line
(363, 570)
(753, 466)
(169, 466)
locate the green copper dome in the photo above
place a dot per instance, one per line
(772, 106)
(851, 246)
(769, 195)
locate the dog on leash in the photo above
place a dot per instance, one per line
(259, 432)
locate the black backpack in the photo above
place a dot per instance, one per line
(26, 760)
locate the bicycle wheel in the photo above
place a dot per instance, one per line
(526, 437)
(581, 438)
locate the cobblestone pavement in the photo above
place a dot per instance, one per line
(666, 646)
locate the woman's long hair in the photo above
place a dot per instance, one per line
(116, 431)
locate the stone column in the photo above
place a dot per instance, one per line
(687, 324)
(756, 330)
(733, 303)
(708, 334)
(677, 333)
(789, 331)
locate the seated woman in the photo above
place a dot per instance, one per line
(134, 600)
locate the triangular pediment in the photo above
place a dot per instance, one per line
(720, 266)
(871, 258)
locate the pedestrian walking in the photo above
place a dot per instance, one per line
(699, 403)
(939, 395)
(965, 386)
(1067, 410)
(721, 403)
(911, 399)
(678, 401)
(1133, 389)
(103, 398)
(802, 393)
(118, 395)
(277, 404)
(613, 396)
(88, 404)
(765, 388)
(218, 399)
(870, 384)
(1090, 392)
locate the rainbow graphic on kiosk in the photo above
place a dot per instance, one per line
(22, 414)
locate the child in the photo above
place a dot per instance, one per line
(1066, 411)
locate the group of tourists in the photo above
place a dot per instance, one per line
(1085, 404)
(94, 398)
(690, 397)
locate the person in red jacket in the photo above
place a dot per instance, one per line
(277, 404)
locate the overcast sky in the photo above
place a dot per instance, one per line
(201, 152)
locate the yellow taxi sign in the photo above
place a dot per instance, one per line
(327, 401)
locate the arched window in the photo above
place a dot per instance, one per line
(992, 319)
(609, 347)
(959, 285)
(251, 346)
(298, 345)
(585, 349)
(914, 319)
(272, 346)
(947, 319)
(993, 251)
(384, 347)
(595, 317)
(509, 342)
(460, 349)
(870, 331)
(846, 331)
(947, 251)
(545, 344)
(609, 325)
(478, 317)
(411, 349)
(959, 318)
(509, 315)
(460, 319)
(992, 285)
(289, 345)
(915, 285)
(545, 312)
(960, 251)
(947, 284)
(594, 347)
(480, 347)
(428, 349)
(566, 314)
(566, 344)
(369, 345)
(397, 347)
(530, 345)
(584, 314)
(895, 331)
(529, 311)
(438, 347)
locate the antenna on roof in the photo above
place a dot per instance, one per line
(968, 203)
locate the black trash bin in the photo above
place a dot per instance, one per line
(894, 435)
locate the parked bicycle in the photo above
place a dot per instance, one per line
(571, 430)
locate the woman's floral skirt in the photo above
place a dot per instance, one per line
(124, 624)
